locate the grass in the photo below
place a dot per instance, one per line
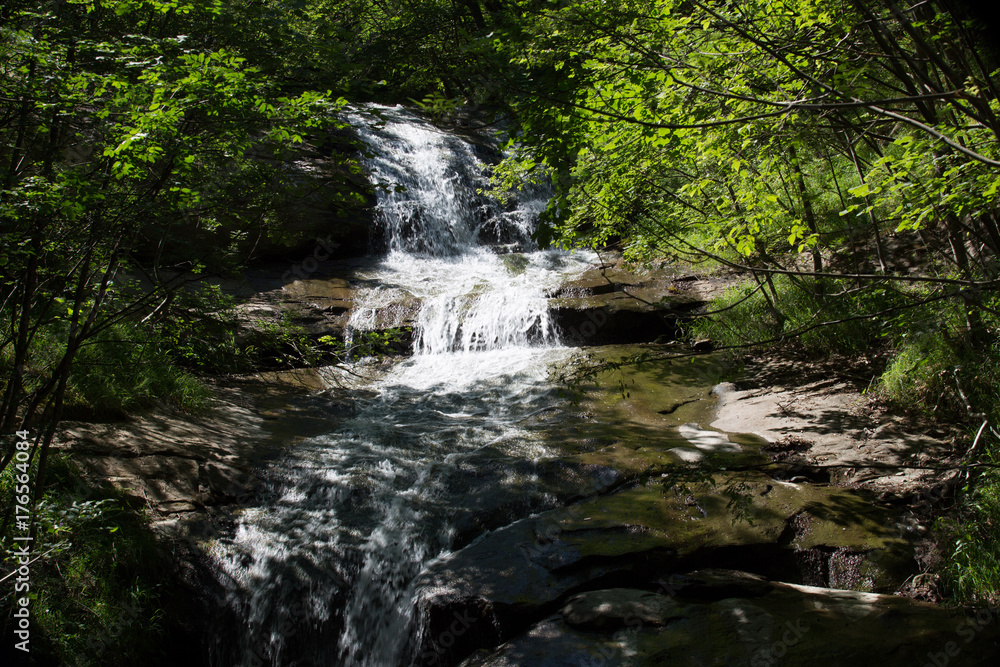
(959, 383)
(972, 569)
(127, 369)
(821, 315)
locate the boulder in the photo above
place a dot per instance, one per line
(618, 607)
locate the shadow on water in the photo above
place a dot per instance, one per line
(322, 561)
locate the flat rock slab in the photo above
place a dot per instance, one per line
(616, 607)
(529, 568)
(179, 463)
(649, 284)
(787, 624)
(827, 416)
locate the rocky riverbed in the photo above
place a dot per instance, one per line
(707, 513)
(700, 522)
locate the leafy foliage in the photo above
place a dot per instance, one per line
(128, 127)
(973, 569)
(127, 368)
(742, 132)
(843, 156)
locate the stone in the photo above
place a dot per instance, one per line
(637, 537)
(618, 608)
(790, 625)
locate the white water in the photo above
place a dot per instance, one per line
(320, 572)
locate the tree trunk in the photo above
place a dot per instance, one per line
(807, 208)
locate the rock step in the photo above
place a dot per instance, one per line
(521, 574)
(750, 622)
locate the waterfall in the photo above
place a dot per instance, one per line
(320, 571)
(434, 216)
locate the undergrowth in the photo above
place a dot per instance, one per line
(972, 570)
(128, 368)
(96, 590)
(825, 316)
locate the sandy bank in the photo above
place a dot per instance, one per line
(820, 418)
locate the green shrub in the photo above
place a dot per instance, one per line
(972, 569)
(950, 379)
(917, 371)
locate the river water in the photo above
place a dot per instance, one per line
(440, 446)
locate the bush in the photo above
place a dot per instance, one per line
(952, 380)
(972, 569)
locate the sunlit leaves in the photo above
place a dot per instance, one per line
(688, 114)
(132, 131)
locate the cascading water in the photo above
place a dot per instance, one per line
(440, 447)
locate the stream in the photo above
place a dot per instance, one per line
(461, 506)
(321, 570)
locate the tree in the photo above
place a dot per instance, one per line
(721, 130)
(124, 123)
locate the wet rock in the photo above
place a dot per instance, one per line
(498, 490)
(553, 643)
(649, 287)
(703, 345)
(612, 304)
(176, 506)
(220, 482)
(787, 624)
(169, 479)
(710, 585)
(604, 325)
(321, 306)
(618, 607)
(723, 389)
(634, 538)
(703, 443)
(174, 464)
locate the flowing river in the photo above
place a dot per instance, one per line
(441, 446)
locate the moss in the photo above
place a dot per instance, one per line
(687, 521)
(516, 263)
